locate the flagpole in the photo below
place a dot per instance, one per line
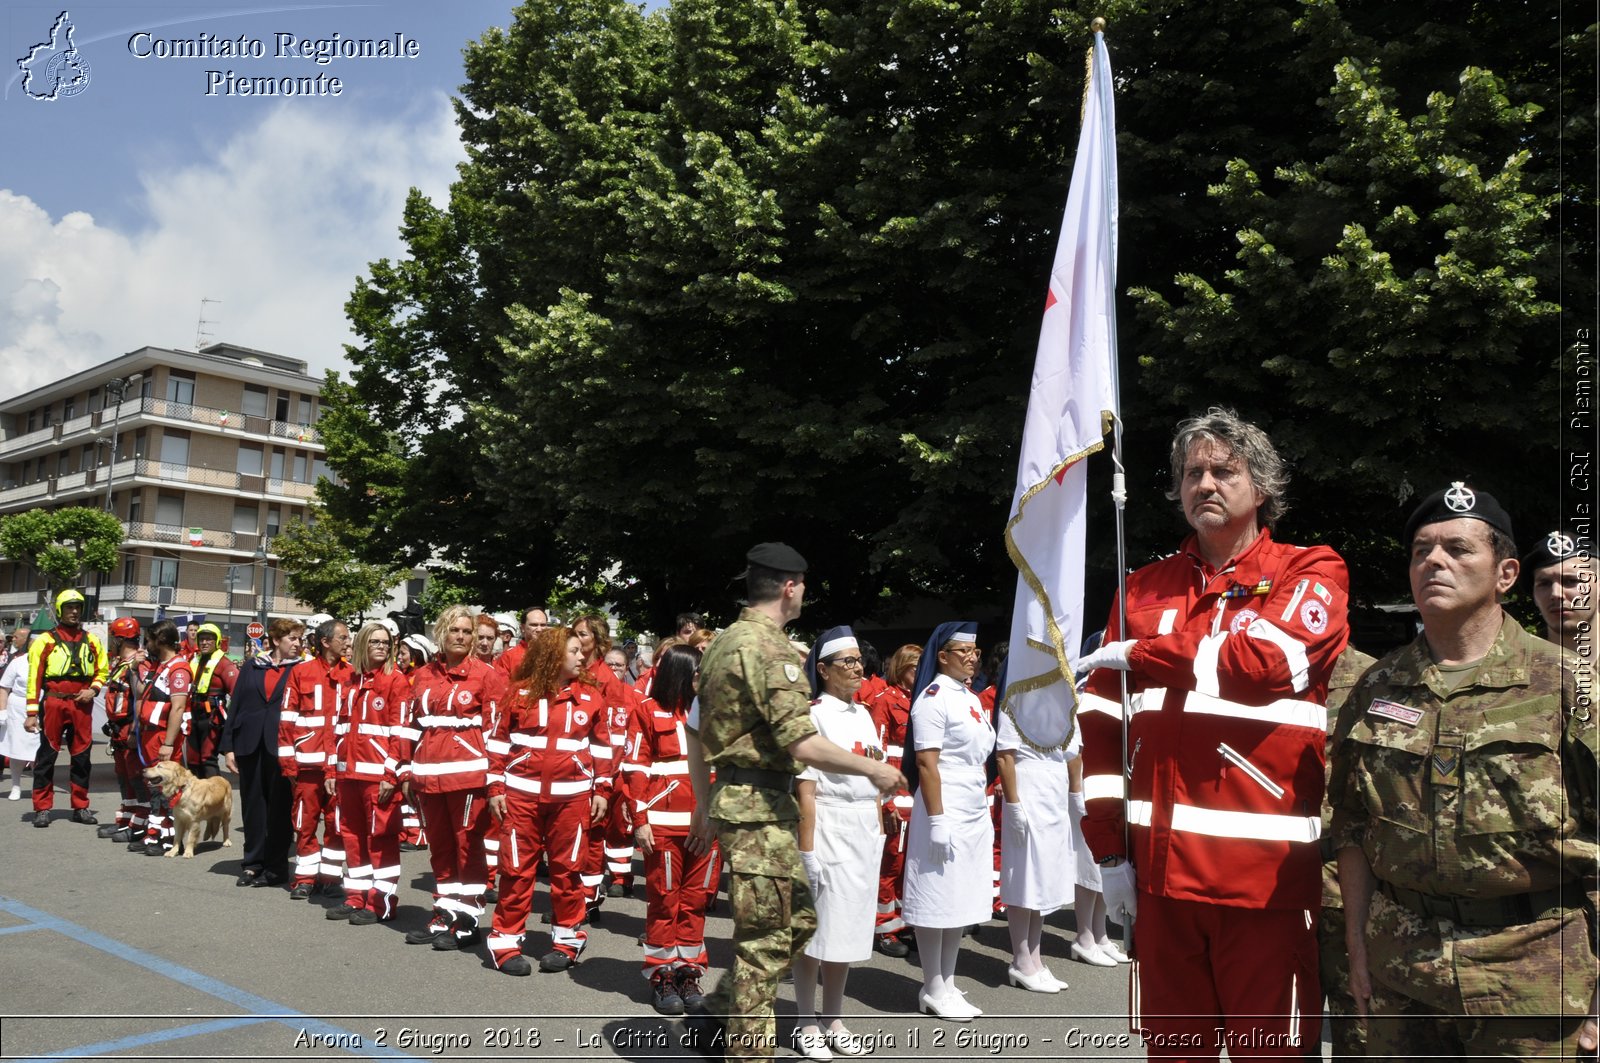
(1119, 499)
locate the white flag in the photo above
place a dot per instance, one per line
(1071, 405)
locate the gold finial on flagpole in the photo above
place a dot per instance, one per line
(1097, 26)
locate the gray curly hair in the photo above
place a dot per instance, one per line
(1222, 426)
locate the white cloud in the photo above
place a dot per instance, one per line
(277, 225)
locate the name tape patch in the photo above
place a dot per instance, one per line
(1395, 711)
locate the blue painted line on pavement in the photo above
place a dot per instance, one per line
(269, 1010)
(22, 929)
(122, 1044)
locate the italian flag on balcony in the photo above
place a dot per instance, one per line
(197, 537)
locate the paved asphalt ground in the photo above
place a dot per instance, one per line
(107, 954)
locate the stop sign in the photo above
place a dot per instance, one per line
(255, 630)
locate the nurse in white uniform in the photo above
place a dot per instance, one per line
(841, 845)
(1038, 867)
(950, 844)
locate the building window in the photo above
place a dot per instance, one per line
(305, 410)
(277, 465)
(69, 408)
(282, 410)
(245, 518)
(169, 511)
(180, 387)
(141, 444)
(95, 400)
(319, 469)
(33, 419)
(63, 463)
(174, 447)
(255, 401)
(135, 507)
(130, 572)
(274, 521)
(164, 572)
(299, 468)
(250, 457)
(87, 462)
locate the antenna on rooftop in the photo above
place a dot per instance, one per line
(200, 333)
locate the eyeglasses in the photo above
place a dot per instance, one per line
(844, 662)
(964, 651)
(379, 642)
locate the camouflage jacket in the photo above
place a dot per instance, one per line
(754, 703)
(1485, 791)
(1350, 666)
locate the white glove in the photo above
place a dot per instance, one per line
(1112, 655)
(1120, 889)
(813, 868)
(940, 849)
(1015, 817)
(1077, 806)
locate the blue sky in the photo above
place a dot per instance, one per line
(124, 205)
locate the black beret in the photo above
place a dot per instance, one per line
(1455, 502)
(781, 557)
(1553, 549)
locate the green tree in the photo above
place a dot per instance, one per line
(63, 544)
(737, 271)
(321, 570)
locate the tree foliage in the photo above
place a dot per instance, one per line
(63, 544)
(734, 271)
(321, 569)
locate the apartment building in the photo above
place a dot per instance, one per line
(204, 455)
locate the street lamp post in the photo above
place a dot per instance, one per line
(117, 386)
(261, 594)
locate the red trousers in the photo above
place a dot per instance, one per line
(158, 822)
(312, 807)
(62, 721)
(618, 846)
(890, 869)
(457, 820)
(1214, 977)
(534, 827)
(135, 809)
(371, 835)
(675, 918)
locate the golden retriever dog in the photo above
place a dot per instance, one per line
(207, 801)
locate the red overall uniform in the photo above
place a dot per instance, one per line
(134, 812)
(214, 680)
(1226, 739)
(364, 756)
(413, 833)
(609, 854)
(656, 792)
(305, 753)
(889, 710)
(544, 759)
(159, 686)
(444, 758)
(61, 664)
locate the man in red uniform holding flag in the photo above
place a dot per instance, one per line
(1228, 648)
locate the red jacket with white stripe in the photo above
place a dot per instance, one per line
(1227, 736)
(443, 746)
(655, 769)
(553, 749)
(890, 710)
(621, 700)
(305, 724)
(363, 733)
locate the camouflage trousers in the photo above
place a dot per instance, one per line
(773, 919)
(1444, 991)
(1349, 1030)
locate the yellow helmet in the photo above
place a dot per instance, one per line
(209, 629)
(67, 596)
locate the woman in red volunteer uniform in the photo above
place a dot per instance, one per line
(447, 777)
(367, 779)
(655, 776)
(545, 790)
(164, 699)
(608, 861)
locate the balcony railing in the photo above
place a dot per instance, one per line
(54, 487)
(189, 413)
(187, 600)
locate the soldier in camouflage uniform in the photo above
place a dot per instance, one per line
(1464, 794)
(1349, 1029)
(754, 727)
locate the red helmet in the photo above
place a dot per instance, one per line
(125, 627)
